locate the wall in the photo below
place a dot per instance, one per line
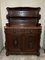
(27, 3)
(1, 38)
(0, 14)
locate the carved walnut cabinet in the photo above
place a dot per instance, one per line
(23, 31)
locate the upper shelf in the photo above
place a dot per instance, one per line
(23, 11)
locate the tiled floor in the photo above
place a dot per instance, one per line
(22, 57)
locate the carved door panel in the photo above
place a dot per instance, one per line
(13, 41)
(29, 42)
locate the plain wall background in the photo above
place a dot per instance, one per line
(1, 38)
(0, 15)
(22, 3)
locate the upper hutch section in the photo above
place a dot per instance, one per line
(23, 15)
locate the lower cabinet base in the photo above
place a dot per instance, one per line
(22, 41)
(22, 53)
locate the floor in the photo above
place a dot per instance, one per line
(22, 57)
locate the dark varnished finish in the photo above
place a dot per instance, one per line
(23, 31)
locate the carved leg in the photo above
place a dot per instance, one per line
(5, 44)
(38, 54)
(7, 54)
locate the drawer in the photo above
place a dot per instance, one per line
(27, 32)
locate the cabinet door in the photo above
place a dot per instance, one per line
(30, 40)
(12, 40)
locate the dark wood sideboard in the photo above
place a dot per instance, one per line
(23, 31)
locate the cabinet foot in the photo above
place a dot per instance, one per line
(38, 54)
(7, 54)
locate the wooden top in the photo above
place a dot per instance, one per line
(22, 8)
(23, 27)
